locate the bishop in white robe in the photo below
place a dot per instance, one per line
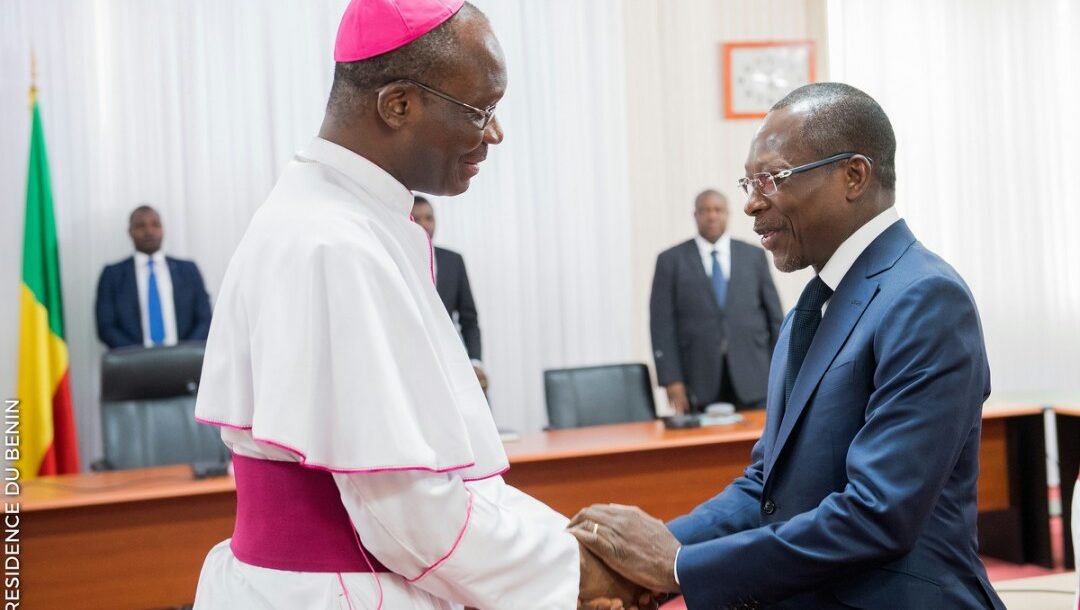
(330, 348)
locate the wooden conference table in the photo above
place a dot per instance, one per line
(136, 539)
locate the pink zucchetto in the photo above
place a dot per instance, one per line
(373, 27)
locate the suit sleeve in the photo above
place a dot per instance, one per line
(770, 301)
(201, 328)
(733, 510)
(483, 544)
(467, 316)
(108, 327)
(930, 380)
(662, 327)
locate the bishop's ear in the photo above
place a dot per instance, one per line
(394, 103)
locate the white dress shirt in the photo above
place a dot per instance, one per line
(723, 252)
(852, 247)
(165, 293)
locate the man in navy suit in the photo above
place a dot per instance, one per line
(714, 315)
(452, 283)
(861, 491)
(151, 299)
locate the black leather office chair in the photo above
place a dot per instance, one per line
(148, 408)
(596, 395)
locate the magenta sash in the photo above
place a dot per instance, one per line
(289, 517)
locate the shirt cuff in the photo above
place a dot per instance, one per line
(675, 567)
(478, 364)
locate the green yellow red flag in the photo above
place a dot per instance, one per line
(46, 421)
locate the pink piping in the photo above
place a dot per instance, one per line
(305, 463)
(486, 476)
(461, 534)
(221, 424)
(378, 583)
(346, 591)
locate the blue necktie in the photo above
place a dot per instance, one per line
(719, 282)
(804, 325)
(153, 306)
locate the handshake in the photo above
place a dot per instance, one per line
(627, 558)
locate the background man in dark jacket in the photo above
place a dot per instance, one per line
(714, 315)
(148, 298)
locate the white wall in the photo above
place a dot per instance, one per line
(679, 142)
(985, 110)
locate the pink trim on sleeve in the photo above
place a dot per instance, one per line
(486, 476)
(375, 469)
(461, 534)
(304, 462)
(221, 424)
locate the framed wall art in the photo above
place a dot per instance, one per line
(757, 74)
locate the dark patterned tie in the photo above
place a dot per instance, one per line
(803, 326)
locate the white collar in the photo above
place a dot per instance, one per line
(370, 177)
(844, 257)
(723, 244)
(142, 257)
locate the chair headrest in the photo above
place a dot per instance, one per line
(139, 373)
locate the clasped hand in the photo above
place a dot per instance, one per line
(630, 557)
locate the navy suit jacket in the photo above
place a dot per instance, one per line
(119, 322)
(693, 337)
(861, 491)
(453, 285)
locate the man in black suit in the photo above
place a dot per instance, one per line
(452, 282)
(151, 299)
(714, 315)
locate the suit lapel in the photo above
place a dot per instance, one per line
(846, 307)
(692, 257)
(774, 405)
(442, 270)
(128, 281)
(737, 271)
(129, 288)
(176, 276)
